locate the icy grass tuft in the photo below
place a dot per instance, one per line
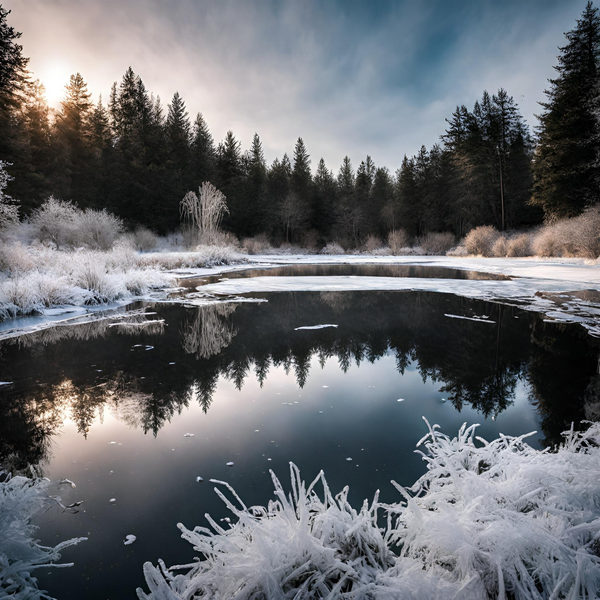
(487, 520)
(21, 498)
(34, 278)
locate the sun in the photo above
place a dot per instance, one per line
(55, 77)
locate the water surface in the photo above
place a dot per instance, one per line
(255, 391)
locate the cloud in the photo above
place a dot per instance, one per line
(350, 77)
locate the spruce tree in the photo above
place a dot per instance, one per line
(203, 154)
(565, 171)
(74, 160)
(256, 188)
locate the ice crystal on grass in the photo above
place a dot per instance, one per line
(21, 498)
(487, 520)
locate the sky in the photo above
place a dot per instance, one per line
(356, 78)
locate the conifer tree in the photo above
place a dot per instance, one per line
(256, 188)
(203, 154)
(565, 171)
(74, 162)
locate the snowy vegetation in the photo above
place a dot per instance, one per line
(21, 498)
(487, 520)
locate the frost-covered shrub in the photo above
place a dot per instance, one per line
(97, 229)
(21, 498)
(259, 244)
(546, 243)
(436, 243)
(310, 240)
(487, 520)
(143, 239)
(519, 245)
(65, 225)
(332, 248)
(459, 250)
(372, 244)
(481, 240)
(398, 240)
(500, 247)
(54, 221)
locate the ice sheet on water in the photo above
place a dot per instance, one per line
(481, 319)
(188, 435)
(314, 327)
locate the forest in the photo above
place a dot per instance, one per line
(133, 156)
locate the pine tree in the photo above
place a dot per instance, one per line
(230, 179)
(14, 77)
(565, 172)
(256, 188)
(177, 131)
(302, 180)
(74, 161)
(323, 201)
(203, 154)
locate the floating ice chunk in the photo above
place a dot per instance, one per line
(199, 479)
(5, 383)
(325, 386)
(320, 412)
(113, 500)
(188, 435)
(349, 459)
(69, 482)
(442, 399)
(172, 363)
(400, 399)
(269, 459)
(129, 539)
(229, 464)
(149, 347)
(110, 472)
(256, 430)
(138, 345)
(111, 443)
(478, 319)
(314, 327)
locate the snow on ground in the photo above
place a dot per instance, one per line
(554, 287)
(558, 288)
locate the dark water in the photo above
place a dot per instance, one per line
(255, 391)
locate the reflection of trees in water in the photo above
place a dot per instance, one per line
(563, 379)
(208, 332)
(476, 364)
(93, 327)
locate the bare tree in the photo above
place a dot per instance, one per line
(204, 214)
(209, 332)
(292, 214)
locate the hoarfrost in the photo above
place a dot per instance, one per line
(487, 520)
(21, 498)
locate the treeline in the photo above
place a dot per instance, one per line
(137, 158)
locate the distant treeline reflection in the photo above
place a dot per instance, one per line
(133, 375)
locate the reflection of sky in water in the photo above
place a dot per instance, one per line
(356, 416)
(153, 479)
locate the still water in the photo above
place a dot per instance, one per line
(109, 406)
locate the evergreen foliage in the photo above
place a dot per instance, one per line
(137, 160)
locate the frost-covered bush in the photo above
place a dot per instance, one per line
(259, 244)
(21, 498)
(546, 243)
(519, 245)
(54, 221)
(481, 240)
(372, 244)
(332, 248)
(97, 229)
(436, 243)
(397, 240)
(65, 225)
(487, 520)
(143, 239)
(459, 250)
(500, 247)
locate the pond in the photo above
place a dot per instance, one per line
(136, 410)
